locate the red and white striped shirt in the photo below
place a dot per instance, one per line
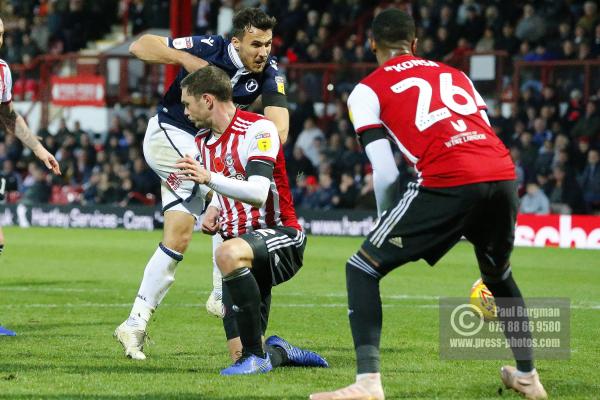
(249, 137)
(5, 83)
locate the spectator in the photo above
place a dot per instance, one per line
(366, 196)
(590, 182)
(534, 201)
(38, 190)
(589, 124)
(564, 193)
(347, 193)
(225, 18)
(531, 26)
(137, 17)
(307, 139)
(14, 181)
(507, 41)
(590, 16)
(540, 132)
(486, 43)
(595, 50)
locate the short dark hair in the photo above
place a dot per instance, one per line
(209, 79)
(248, 17)
(392, 26)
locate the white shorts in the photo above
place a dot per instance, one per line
(163, 145)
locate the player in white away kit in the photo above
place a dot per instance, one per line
(13, 124)
(264, 244)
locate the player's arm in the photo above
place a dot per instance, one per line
(364, 107)
(281, 118)
(274, 101)
(14, 123)
(155, 49)
(262, 146)
(253, 191)
(385, 172)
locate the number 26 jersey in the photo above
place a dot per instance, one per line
(436, 117)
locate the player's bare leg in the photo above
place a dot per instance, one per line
(159, 275)
(365, 314)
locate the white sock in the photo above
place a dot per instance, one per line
(217, 276)
(159, 275)
(369, 379)
(521, 373)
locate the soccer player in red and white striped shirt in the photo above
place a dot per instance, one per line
(252, 210)
(465, 187)
(13, 124)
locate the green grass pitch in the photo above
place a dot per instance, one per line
(64, 292)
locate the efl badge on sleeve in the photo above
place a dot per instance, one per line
(183, 43)
(280, 84)
(264, 142)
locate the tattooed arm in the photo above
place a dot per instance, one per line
(13, 123)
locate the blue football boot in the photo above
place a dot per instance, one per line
(249, 364)
(297, 356)
(6, 332)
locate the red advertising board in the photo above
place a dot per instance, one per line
(566, 231)
(85, 90)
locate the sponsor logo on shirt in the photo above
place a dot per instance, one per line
(209, 41)
(173, 181)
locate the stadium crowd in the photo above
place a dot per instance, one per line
(553, 132)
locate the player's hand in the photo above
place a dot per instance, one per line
(210, 222)
(191, 170)
(48, 159)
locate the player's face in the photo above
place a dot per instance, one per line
(254, 48)
(196, 109)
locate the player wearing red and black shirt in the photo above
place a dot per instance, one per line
(465, 187)
(252, 210)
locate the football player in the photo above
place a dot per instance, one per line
(170, 134)
(465, 187)
(264, 244)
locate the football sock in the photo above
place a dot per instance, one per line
(364, 311)
(245, 294)
(159, 275)
(217, 277)
(278, 356)
(507, 294)
(229, 320)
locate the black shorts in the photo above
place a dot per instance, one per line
(427, 222)
(278, 256)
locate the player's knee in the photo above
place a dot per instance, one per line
(228, 257)
(178, 241)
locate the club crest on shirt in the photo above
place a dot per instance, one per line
(229, 160)
(251, 85)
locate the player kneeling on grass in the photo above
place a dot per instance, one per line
(263, 243)
(466, 187)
